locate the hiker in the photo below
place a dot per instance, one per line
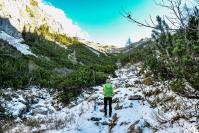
(108, 93)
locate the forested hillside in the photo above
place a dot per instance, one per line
(72, 66)
(174, 53)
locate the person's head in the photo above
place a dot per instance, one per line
(108, 81)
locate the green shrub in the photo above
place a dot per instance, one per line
(148, 81)
(158, 67)
(1, 93)
(66, 95)
(34, 3)
(171, 55)
(100, 77)
(30, 11)
(15, 70)
(193, 79)
(195, 48)
(177, 86)
(2, 110)
(44, 31)
(13, 67)
(80, 79)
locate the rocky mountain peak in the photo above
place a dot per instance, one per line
(32, 14)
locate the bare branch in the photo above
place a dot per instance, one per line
(129, 18)
(174, 7)
(151, 20)
(171, 21)
(178, 20)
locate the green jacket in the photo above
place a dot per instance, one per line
(108, 90)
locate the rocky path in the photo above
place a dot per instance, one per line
(137, 108)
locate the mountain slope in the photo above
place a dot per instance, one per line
(137, 107)
(36, 49)
(17, 43)
(32, 14)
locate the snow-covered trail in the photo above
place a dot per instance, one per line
(132, 113)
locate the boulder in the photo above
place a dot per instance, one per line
(148, 81)
(41, 110)
(131, 105)
(99, 103)
(132, 128)
(18, 109)
(32, 99)
(124, 123)
(115, 100)
(95, 119)
(118, 107)
(135, 97)
(2, 116)
(101, 110)
(104, 123)
(137, 82)
(129, 85)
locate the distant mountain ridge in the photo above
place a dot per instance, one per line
(98, 46)
(130, 47)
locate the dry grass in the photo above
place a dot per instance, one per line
(113, 122)
(169, 98)
(33, 123)
(150, 93)
(160, 118)
(178, 117)
(124, 123)
(132, 128)
(148, 81)
(50, 124)
(7, 125)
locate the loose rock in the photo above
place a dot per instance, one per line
(135, 97)
(95, 119)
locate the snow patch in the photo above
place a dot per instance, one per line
(17, 43)
(94, 51)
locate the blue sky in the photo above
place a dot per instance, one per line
(102, 19)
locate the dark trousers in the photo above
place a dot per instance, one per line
(109, 100)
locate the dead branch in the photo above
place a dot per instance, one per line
(160, 117)
(175, 6)
(178, 20)
(129, 17)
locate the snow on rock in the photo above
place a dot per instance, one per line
(154, 110)
(17, 43)
(34, 13)
(94, 51)
(23, 103)
(16, 108)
